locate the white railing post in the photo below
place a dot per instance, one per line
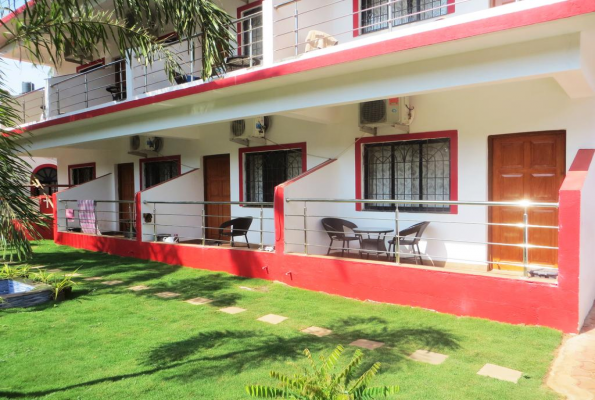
(268, 40)
(129, 79)
(46, 95)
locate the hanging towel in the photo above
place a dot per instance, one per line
(70, 214)
(87, 217)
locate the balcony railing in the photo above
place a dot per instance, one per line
(531, 244)
(98, 217)
(274, 34)
(32, 105)
(206, 223)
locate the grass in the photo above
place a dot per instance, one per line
(110, 342)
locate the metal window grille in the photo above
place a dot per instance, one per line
(81, 175)
(47, 176)
(252, 38)
(156, 172)
(407, 170)
(374, 16)
(267, 169)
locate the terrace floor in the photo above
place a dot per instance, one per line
(138, 329)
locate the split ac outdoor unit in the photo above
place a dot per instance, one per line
(145, 144)
(388, 112)
(246, 129)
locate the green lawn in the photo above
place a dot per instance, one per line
(112, 343)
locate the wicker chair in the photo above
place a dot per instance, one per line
(414, 230)
(335, 229)
(234, 228)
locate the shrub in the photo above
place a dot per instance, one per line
(322, 383)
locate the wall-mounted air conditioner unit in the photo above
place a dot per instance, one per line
(246, 129)
(145, 145)
(389, 112)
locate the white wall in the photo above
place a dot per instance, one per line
(475, 113)
(183, 220)
(101, 188)
(587, 249)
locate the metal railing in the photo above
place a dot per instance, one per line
(32, 105)
(188, 51)
(395, 223)
(99, 85)
(383, 16)
(119, 221)
(202, 224)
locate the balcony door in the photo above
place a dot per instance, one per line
(126, 192)
(217, 185)
(527, 166)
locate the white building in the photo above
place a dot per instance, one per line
(475, 117)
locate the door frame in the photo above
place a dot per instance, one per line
(491, 138)
(118, 183)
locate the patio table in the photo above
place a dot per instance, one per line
(373, 244)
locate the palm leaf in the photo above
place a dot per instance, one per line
(333, 358)
(364, 380)
(266, 392)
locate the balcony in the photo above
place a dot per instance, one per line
(267, 34)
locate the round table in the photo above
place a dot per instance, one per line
(373, 245)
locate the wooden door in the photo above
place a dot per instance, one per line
(217, 186)
(126, 192)
(529, 166)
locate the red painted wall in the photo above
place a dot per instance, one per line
(514, 301)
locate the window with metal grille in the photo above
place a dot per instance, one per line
(375, 13)
(155, 172)
(267, 169)
(407, 170)
(252, 33)
(80, 175)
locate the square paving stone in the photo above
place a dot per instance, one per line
(367, 344)
(74, 274)
(94, 278)
(501, 373)
(112, 283)
(138, 288)
(199, 301)
(232, 310)
(167, 295)
(317, 331)
(54, 270)
(428, 357)
(272, 319)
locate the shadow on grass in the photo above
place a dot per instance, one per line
(223, 352)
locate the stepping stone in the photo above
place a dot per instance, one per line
(94, 278)
(246, 288)
(232, 310)
(501, 373)
(272, 319)
(167, 295)
(138, 288)
(112, 283)
(198, 301)
(428, 357)
(367, 344)
(74, 274)
(38, 267)
(54, 270)
(317, 331)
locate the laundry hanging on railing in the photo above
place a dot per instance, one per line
(88, 217)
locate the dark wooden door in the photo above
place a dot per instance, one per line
(126, 192)
(528, 166)
(217, 188)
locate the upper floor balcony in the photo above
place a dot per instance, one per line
(267, 33)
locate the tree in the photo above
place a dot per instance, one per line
(44, 29)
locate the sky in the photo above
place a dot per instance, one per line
(17, 72)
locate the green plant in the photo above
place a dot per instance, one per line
(8, 272)
(322, 383)
(60, 285)
(42, 276)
